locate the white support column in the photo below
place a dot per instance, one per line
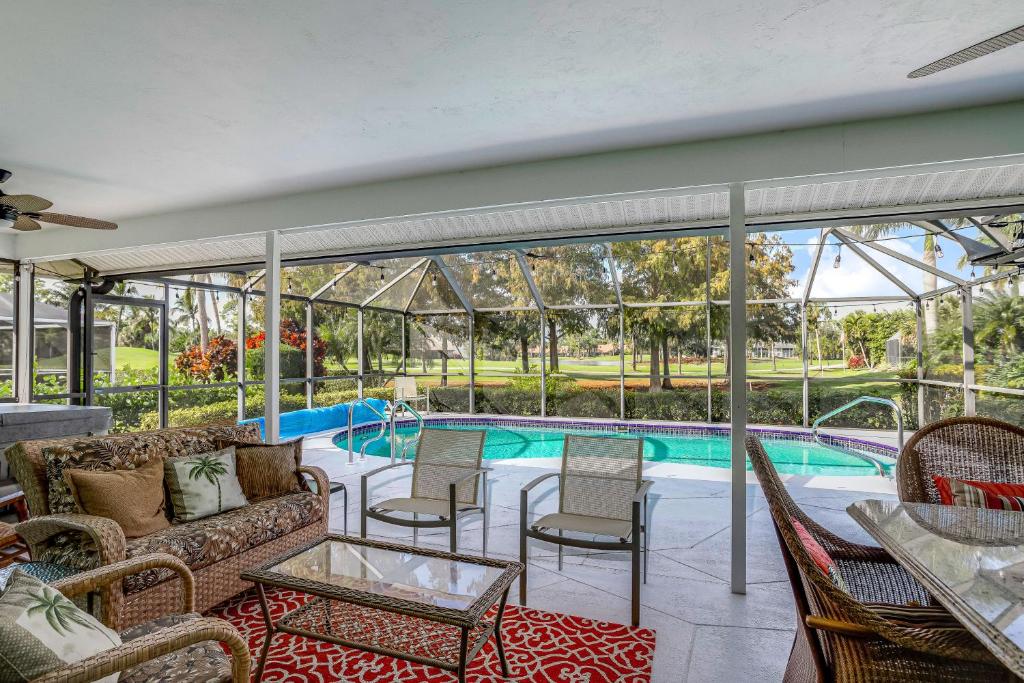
(243, 306)
(919, 355)
(738, 384)
(966, 310)
(803, 358)
(309, 354)
(472, 363)
(359, 352)
(272, 343)
(23, 364)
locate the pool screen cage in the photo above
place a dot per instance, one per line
(630, 329)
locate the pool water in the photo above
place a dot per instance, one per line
(791, 456)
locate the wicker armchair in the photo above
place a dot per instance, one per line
(175, 647)
(977, 448)
(601, 491)
(447, 483)
(883, 627)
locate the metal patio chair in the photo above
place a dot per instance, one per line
(407, 390)
(601, 493)
(977, 448)
(447, 482)
(875, 624)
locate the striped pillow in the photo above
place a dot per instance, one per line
(820, 556)
(992, 495)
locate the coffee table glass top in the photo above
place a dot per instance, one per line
(433, 581)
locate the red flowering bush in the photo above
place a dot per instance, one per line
(294, 336)
(855, 362)
(216, 364)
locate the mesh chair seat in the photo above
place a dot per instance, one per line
(585, 524)
(422, 506)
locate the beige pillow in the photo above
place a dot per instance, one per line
(267, 470)
(132, 498)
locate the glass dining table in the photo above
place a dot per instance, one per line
(970, 559)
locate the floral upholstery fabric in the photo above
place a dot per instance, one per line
(200, 662)
(125, 451)
(212, 539)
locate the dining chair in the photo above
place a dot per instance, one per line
(447, 483)
(974, 448)
(864, 617)
(601, 494)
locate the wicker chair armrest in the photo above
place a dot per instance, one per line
(538, 480)
(158, 644)
(101, 577)
(106, 534)
(320, 480)
(862, 553)
(843, 628)
(641, 493)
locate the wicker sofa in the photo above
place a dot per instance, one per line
(216, 549)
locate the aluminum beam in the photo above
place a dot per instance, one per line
(814, 264)
(272, 342)
(852, 245)
(24, 343)
(899, 256)
(456, 286)
(738, 384)
(393, 282)
(997, 236)
(333, 281)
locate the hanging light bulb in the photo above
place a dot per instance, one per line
(972, 272)
(433, 279)
(938, 249)
(839, 257)
(874, 308)
(289, 287)
(382, 275)
(1012, 279)
(751, 258)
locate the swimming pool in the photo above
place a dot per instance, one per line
(792, 451)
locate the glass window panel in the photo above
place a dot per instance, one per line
(773, 340)
(998, 315)
(332, 392)
(382, 344)
(941, 403)
(435, 292)
(1005, 407)
(507, 395)
(575, 274)
(199, 407)
(943, 339)
(491, 279)
(188, 361)
(826, 395)
(398, 295)
(335, 330)
(307, 280)
(508, 343)
(50, 335)
(662, 270)
(438, 347)
(133, 411)
(368, 278)
(583, 363)
(7, 330)
(254, 404)
(126, 344)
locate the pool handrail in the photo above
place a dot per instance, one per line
(419, 428)
(383, 427)
(846, 406)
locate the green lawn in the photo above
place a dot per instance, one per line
(137, 359)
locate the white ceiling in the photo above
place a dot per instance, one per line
(118, 109)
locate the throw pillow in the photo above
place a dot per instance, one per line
(820, 556)
(41, 630)
(993, 495)
(203, 485)
(267, 470)
(132, 498)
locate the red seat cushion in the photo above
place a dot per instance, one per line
(820, 556)
(993, 495)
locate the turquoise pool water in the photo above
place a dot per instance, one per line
(790, 456)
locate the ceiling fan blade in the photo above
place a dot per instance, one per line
(25, 224)
(985, 47)
(75, 221)
(26, 202)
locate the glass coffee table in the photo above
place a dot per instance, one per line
(417, 604)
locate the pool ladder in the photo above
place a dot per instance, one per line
(387, 418)
(857, 454)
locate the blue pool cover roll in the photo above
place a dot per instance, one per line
(312, 420)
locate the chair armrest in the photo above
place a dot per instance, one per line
(843, 628)
(641, 493)
(367, 475)
(539, 479)
(105, 534)
(470, 475)
(101, 577)
(320, 480)
(158, 644)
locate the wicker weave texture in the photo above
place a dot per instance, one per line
(444, 456)
(898, 651)
(600, 476)
(976, 448)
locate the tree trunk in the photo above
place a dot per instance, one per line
(633, 351)
(552, 346)
(931, 282)
(817, 341)
(215, 304)
(655, 366)
(204, 321)
(679, 358)
(666, 380)
(444, 360)
(771, 350)
(524, 351)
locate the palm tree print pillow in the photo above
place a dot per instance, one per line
(203, 485)
(41, 630)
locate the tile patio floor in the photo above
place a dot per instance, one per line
(704, 632)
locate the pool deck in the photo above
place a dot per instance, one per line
(704, 632)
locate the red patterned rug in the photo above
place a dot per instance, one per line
(541, 647)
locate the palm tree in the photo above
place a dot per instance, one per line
(210, 468)
(999, 322)
(185, 309)
(61, 614)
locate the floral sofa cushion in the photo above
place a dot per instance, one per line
(212, 539)
(123, 451)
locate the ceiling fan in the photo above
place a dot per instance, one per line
(985, 47)
(25, 211)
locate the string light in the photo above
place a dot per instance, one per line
(751, 258)
(433, 279)
(938, 250)
(839, 257)
(382, 275)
